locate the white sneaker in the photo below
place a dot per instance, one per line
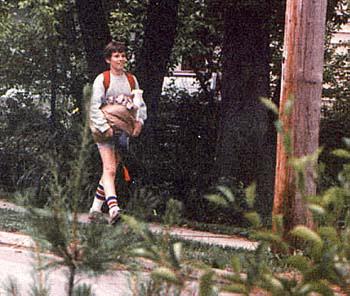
(94, 215)
(114, 215)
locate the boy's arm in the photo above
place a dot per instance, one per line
(97, 117)
(141, 114)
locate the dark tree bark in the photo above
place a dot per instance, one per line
(52, 41)
(246, 144)
(95, 33)
(69, 30)
(152, 61)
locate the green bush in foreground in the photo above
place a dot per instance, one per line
(319, 263)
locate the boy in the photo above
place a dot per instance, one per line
(112, 84)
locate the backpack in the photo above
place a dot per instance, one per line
(107, 80)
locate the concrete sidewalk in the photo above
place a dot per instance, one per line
(18, 262)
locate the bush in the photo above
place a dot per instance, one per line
(318, 264)
(28, 139)
(335, 126)
(25, 134)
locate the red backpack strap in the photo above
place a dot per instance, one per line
(106, 79)
(131, 80)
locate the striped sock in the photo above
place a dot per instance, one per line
(100, 192)
(112, 202)
(99, 198)
(114, 215)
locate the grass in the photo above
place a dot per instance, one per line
(221, 257)
(217, 228)
(13, 221)
(214, 256)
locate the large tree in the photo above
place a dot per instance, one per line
(246, 145)
(152, 61)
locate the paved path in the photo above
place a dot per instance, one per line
(222, 240)
(17, 263)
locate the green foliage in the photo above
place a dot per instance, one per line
(143, 203)
(165, 274)
(229, 198)
(173, 212)
(39, 292)
(199, 38)
(270, 105)
(13, 221)
(185, 144)
(126, 22)
(150, 288)
(320, 259)
(83, 290)
(336, 91)
(24, 137)
(168, 272)
(223, 199)
(40, 286)
(300, 164)
(38, 51)
(41, 54)
(250, 194)
(206, 284)
(29, 140)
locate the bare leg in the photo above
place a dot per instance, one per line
(106, 190)
(109, 165)
(110, 160)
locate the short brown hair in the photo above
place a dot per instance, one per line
(112, 47)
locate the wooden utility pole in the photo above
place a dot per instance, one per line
(301, 79)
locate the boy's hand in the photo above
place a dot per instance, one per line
(109, 133)
(137, 129)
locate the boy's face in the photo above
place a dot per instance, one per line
(117, 61)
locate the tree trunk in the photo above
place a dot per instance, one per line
(152, 61)
(71, 277)
(301, 78)
(95, 33)
(53, 81)
(244, 151)
(69, 26)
